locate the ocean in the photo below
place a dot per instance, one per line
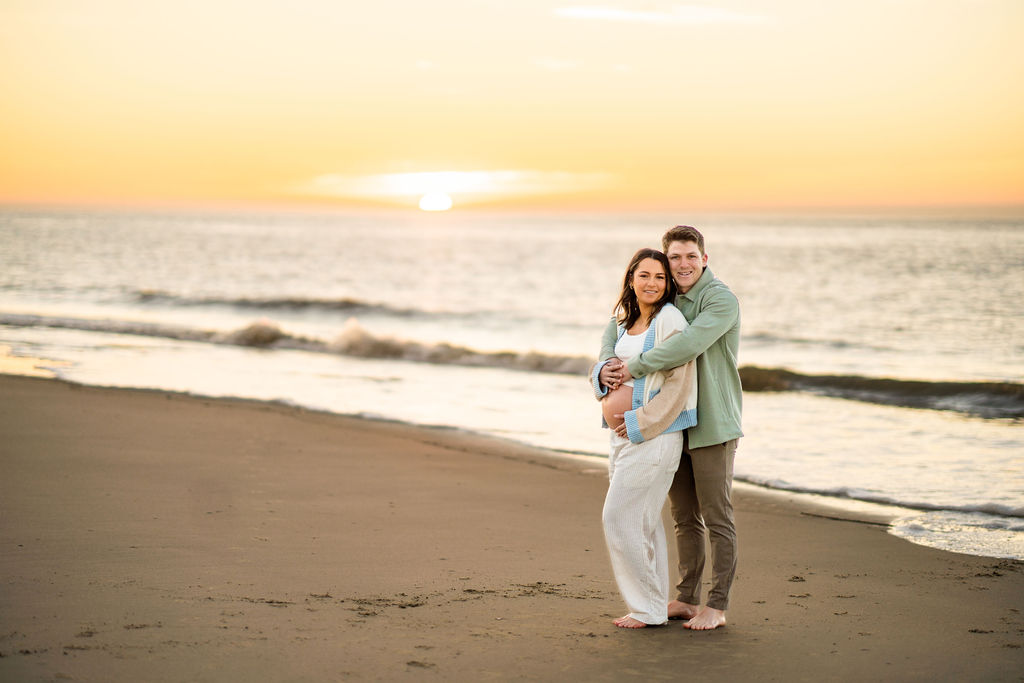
(882, 357)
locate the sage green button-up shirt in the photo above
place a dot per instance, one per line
(713, 338)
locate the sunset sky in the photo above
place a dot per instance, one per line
(550, 103)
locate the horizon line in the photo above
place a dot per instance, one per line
(969, 209)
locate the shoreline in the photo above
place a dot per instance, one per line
(931, 499)
(151, 535)
(868, 511)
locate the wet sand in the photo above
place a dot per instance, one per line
(161, 537)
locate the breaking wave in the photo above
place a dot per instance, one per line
(354, 340)
(981, 399)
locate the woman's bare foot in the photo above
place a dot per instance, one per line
(707, 619)
(682, 610)
(629, 622)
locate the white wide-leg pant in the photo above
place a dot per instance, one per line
(640, 475)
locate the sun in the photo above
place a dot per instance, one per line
(435, 201)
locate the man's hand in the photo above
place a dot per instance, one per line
(621, 429)
(611, 373)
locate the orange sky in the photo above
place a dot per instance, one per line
(742, 104)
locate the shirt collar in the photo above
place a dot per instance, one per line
(705, 279)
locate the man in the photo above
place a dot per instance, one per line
(701, 492)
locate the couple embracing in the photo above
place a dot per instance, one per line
(670, 393)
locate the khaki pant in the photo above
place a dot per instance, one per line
(701, 498)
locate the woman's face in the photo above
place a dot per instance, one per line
(649, 282)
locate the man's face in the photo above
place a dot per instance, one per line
(687, 264)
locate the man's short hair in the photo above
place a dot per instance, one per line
(683, 233)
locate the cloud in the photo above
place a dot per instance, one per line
(678, 14)
(494, 183)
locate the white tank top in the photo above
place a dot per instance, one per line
(628, 346)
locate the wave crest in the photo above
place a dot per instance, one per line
(261, 333)
(355, 340)
(981, 399)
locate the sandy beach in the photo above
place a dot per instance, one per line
(162, 537)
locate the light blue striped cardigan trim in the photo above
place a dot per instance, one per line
(640, 382)
(599, 390)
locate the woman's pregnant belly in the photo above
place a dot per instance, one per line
(617, 402)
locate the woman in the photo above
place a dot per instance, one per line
(647, 417)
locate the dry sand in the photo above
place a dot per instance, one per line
(147, 536)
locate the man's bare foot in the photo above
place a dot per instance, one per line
(707, 619)
(629, 622)
(682, 610)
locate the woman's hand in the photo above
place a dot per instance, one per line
(621, 428)
(610, 373)
(614, 373)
